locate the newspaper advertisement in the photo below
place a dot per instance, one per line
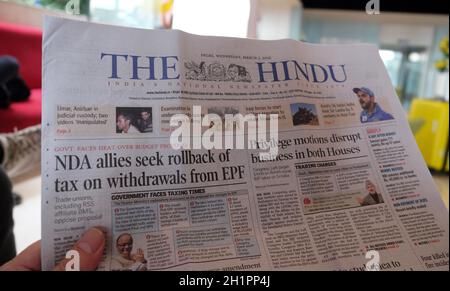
(213, 153)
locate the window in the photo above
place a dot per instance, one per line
(212, 17)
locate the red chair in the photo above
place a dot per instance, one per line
(25, 44)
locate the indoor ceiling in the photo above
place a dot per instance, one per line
(428, 7)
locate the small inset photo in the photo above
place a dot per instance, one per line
(304, 114)
(134, 120)
(371, 111)
(372, 197)
(128, 258)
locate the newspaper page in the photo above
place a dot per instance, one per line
(323, 172)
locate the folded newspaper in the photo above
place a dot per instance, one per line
(212, 153)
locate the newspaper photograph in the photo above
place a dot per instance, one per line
(225, 154)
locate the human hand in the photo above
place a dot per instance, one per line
(139, 256)
(360, 200)
(90, 247)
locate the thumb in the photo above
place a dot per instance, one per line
(90, 249)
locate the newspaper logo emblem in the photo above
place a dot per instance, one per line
(216, 72)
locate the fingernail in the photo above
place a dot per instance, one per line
(91, 241)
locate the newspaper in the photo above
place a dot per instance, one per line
(341, 186)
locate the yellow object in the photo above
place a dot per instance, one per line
(429, 120)
(441, 65)
(446, 163)
(443, 45)
(166, 6)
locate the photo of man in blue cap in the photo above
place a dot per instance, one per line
(371, 110)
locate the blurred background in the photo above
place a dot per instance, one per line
(410, 35)
(412, 38)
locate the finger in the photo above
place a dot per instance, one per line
(90, 249)
(28, 260)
